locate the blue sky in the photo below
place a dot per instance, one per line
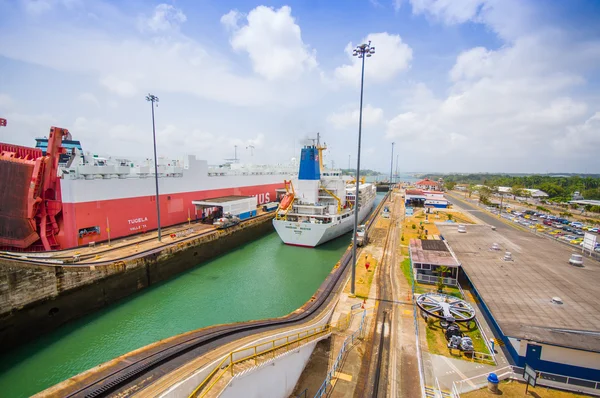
(461, 85)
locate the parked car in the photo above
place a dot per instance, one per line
(361, 235)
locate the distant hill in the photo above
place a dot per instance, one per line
(363, 172)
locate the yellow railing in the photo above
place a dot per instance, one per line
(230, 359)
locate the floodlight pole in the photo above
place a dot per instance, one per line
(153, 99)
(392, 166)
(362, 51)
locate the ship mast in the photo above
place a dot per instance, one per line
(320, 148)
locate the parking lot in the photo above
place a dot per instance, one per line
(571, 232)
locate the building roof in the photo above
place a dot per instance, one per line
(519, 293)
(427, 181)
(586, 202)
(414, 192)
(433, 252)
(536, 192)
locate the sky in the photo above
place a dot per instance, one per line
(457, 85)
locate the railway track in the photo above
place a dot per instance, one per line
(374, 380)
(150, 366)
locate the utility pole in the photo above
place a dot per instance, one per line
(361, 51)
(392, 166)
(154, 99)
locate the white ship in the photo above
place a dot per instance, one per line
(319, 205)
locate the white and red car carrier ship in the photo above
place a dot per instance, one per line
(56, 197)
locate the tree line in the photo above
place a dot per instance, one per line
(559, 189)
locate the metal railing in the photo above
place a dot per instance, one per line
(516, 373)
(416, 325)
(227, 363)
(432, 279)
(348, 342)
(481, 355)
(254, 351)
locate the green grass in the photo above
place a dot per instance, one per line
(406, 270)
(421, 288)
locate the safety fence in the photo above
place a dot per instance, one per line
(346, 345)
(544, 379)
(227, 365)
(481, 356)
(432, 279)
(416, 325)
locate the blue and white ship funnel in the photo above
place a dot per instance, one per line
(309, 176)
(309, 164)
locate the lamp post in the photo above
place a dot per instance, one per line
(361, 51)
(154, 99)
(392, 166)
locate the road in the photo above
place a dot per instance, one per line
(477, 212)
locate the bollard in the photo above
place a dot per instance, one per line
(493, 383)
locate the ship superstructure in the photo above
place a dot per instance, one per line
(319, 205)
(61, 197)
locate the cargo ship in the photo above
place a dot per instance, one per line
(319, 205)
(55, 196)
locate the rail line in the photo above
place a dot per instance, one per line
(383, 310)
(126, 375)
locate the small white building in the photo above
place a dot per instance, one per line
(536, 193)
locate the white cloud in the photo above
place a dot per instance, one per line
(581, 139)
(273, 42)
(397, 4)
(37, 7)
(449, 11)
(392, 56)
(504, 104)
(5, 100)
(342, 120)
(165, 17)
(121, 87)
(231, 19)
(89, 98)
(510, 19)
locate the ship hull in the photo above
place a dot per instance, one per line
(127, 216)
(312, 235)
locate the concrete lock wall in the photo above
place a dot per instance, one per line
(36, 299)
(275, 379)
(184, 388)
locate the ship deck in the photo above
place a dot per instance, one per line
(124, 247)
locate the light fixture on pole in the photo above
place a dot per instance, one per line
(153, 99)
(361, 51)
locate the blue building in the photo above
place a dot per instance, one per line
(545, 311)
